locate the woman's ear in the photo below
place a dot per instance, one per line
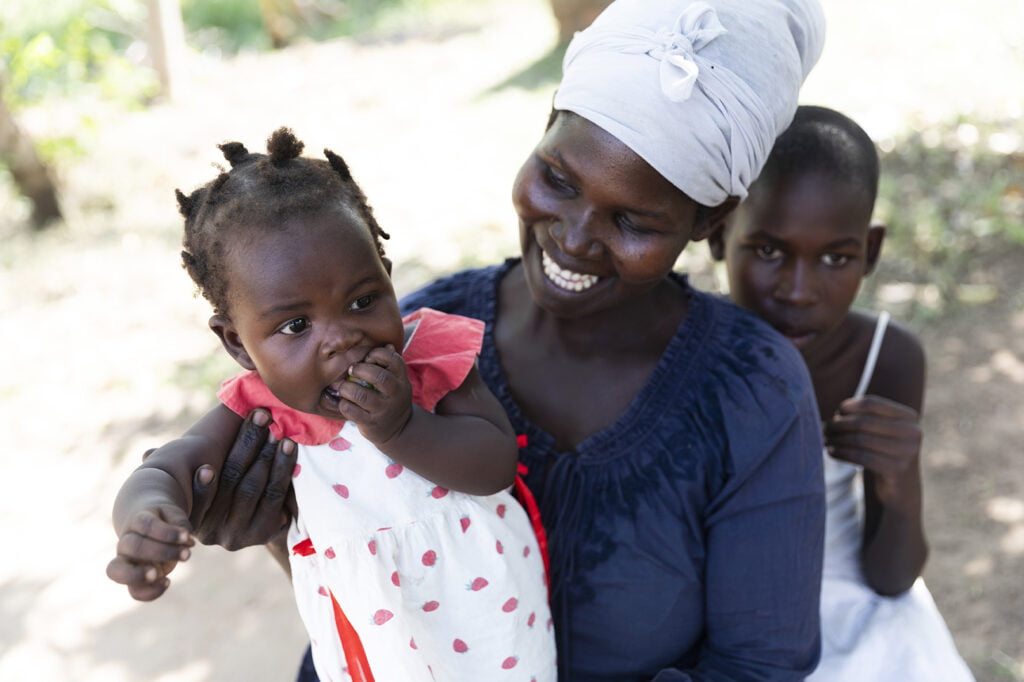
(225, 331)
(876, 235)
(713, 218)
(716, 241)
(387, 264)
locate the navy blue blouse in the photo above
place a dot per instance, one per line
(685, 538)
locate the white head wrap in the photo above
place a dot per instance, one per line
(699, 90)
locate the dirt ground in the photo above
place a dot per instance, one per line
(106, 351)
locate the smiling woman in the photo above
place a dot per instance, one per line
(671, 439)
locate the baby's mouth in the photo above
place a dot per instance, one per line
(332, 395)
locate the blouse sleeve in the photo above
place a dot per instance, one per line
(765, 536)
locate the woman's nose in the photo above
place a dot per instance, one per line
(798, 285)
(576, 235)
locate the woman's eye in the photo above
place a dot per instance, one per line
(363, 302)
(624, 222)
(766, 252)
(835, 260)
(556, 179)
(296, 326)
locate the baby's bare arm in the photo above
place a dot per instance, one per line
(151, 510)
(466, 444)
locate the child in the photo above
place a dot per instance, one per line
(396, 576)
(796, 251)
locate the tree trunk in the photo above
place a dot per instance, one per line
(167, 45)
(30, 175)
(575, 15)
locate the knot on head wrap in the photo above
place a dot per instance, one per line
(699, 90)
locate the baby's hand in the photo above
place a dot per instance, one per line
(379, 396)
(149, 548)
(881, 435)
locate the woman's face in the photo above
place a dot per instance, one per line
(598, 226)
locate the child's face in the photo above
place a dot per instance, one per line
(307, 302)
(598, 225)
(796, 252)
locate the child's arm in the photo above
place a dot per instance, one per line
(882, 433)
(466, 444)
(151, 510)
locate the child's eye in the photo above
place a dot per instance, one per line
(766, 252)
(296, 326)
(363, 302)
(835, 260)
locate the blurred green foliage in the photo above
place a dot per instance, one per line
(952, 195)
(67, 47)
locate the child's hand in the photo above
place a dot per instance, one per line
(149, 548)
(884, 437)
(382, 408)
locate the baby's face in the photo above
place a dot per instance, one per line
(796, 252)
(307, 302)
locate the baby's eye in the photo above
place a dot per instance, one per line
(296, 326)
(363, 302)
(767, 252)
(835, 260)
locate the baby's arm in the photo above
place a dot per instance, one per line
(151, 511)
(882, 433)
(466, 444)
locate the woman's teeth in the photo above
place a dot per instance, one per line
(567, 279)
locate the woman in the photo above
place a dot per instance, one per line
(671, 440)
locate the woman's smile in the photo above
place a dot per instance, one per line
(566, 279)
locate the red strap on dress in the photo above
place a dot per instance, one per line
(351, 645)
(533, 512)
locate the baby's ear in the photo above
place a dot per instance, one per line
(225, 331)
(876, 235)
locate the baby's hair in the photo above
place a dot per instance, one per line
(262, 192)
(824, 141)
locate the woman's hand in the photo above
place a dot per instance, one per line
(884, 437)
(252, 501)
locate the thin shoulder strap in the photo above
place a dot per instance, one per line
(876, 346)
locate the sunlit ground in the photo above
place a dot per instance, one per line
(107, 353)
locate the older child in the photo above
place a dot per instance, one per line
(396, 577)
(796, 251)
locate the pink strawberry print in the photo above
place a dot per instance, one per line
(382, 616)
(412, 643)
(429, 558)
(550, 623)
(526, 551)
(464, 522)
(297, 470)
(322, 591)
(372, 546)
(531, 620)
(341, 490)
(438, 492)
(395, 579)
(498, 546)
(510, 605)
(509, 663)
(460, 646)
(393, 470)
(430, 606)
(339, 444)
(329, 553)
(477, 584)
(501, 511)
